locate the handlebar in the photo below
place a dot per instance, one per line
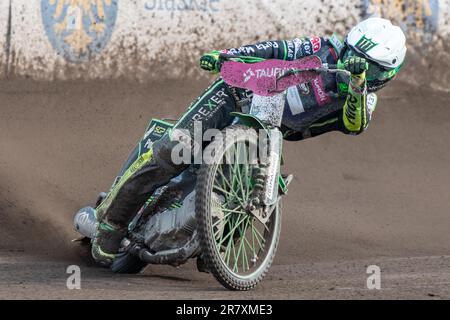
(326, 68)
(244, 59)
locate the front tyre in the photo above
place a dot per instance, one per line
(238, 248)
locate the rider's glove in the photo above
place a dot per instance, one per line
(211, 62)
(356, 65)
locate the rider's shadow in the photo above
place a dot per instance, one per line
(164, 277)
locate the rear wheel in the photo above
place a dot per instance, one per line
(237, 247)
(128, 264)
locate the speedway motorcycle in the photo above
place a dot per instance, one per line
(227, 211)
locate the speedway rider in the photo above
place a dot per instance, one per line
(373, 51)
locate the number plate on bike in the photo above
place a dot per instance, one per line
(270, 77)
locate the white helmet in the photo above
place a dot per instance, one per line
(382, 44)
(380, 41)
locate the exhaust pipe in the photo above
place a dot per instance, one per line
(173, 257)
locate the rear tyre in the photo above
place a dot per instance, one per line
(128, 264)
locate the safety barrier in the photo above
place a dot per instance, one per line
(143, 39)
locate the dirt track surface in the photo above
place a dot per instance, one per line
(402, 278)
(377, 199)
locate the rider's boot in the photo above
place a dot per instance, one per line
(106, 243)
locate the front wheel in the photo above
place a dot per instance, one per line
(237, 247)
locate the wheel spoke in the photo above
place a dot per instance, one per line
(252, 248)
(227, 222)
(264, 225)
(234, 211)
(228, 249)
(257, 235)
(245, 264)
(225, 193)
(231, 193)
(240, 243)
(234, 250)
(225, 217)
(228, 253)
(253, 242)
(238, 171)
(230, 197)
(225, 181)
(231, 232)
(247, 180)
